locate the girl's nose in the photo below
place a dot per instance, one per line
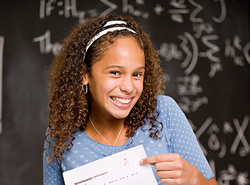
(127, 85)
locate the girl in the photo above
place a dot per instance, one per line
(105, 97)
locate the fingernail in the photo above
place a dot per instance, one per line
(141, 162)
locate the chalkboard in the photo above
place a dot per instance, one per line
(204, 49)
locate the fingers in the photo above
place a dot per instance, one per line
(170, 177)
(160, 158)
(166, 174)
(171, 168)
(166, 166)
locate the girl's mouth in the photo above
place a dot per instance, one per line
(121, 100)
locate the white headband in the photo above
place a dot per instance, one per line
(97, 36)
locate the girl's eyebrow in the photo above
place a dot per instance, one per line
(113, 66)
(117, 66)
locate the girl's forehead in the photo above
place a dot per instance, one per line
(124, 52)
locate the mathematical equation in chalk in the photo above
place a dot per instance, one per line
(66, 8)
(235, 128)
(180, 8)
(138, 8)
(187, 50)
(189, 90)
(189, 53)
(45, 44)
(70, 9)
(230, 175)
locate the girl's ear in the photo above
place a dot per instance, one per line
(85, 79)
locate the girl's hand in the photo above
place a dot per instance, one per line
(172, 169)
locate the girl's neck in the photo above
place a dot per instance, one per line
(106, 130)
(105, 123)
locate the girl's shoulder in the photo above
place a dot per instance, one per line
(166, 102)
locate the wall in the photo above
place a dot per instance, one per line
(204, 49)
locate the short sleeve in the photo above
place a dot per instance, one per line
(182, 138)
(52, 174)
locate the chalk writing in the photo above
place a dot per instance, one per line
(223, 14)
(45, 44)
(246, 52)
(212, 48)
(179, 9)
(194, 13)
(169, 51)
(240, 137)
(213, 141)
(231, 174)
(188, 49)
(220, 145)
(1, 79)
(66, 8)
(130, 9)
(202, 129)
(158, 9)
(141, 2)
(191, 55)
(227, 127)
(199, 28)
(188, 85)
(233, 50)
(188, 105)
(216, 66)
(111, 6)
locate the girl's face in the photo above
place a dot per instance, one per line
(116, 81)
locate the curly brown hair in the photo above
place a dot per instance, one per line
(69, 105)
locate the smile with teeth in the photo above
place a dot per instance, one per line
(121, 100)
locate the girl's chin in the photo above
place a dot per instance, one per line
(120, 116)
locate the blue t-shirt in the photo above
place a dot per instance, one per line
(178, 137)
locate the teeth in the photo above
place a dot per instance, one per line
(120, 100)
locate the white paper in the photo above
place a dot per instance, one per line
(122, 168)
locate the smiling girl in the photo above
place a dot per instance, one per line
(105, 97)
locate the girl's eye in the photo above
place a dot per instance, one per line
(138, 74)
(115, 72)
